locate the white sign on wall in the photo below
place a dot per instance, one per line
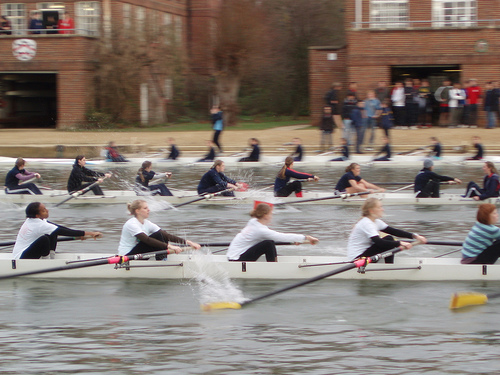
(24, 49)
(331, 56)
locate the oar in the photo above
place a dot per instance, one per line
(343, 196)
(226, 244)
(206, 196)
(464, 299)
(355, 264)
(116, 259)
(413, 150)
(11, 243)
(444, 243)
(391, 183)
(402, 188)
(78, 193)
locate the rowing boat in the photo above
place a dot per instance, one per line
(199, 266)
(270, 160)
(247, 197)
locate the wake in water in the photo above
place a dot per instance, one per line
(213, 283)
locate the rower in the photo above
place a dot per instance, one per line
(352, 182)
(427, 182)
(476, 143)
(257, 239)
(436, 150)
(482, 245)
(145, 175)
(365, 241)
(16, 177)
(344, 149)
(255, 153)
(386, 149)
(491, 184)
(112, 153)
(37, 236)
(80, 174)
(139, 235)
(298, 153)
(215, 180)
(282, 186)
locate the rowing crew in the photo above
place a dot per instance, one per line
(38, 237)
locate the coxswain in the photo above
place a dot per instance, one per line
(15, 181)
(37, 236)
(214, 180)
(351, 182)
(144, 175)
(282, 186)
(82, 177)
(491, 184)
(258, 239)
(427, 181)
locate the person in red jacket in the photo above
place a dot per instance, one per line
(66, 25)
(473, 99)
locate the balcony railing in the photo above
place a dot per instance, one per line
(30, 32)
(434, 24)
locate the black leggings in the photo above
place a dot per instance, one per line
(28, 188)
(266, 247)
(41, 247)
(96, 189)
(142, 247)
(430, 190)
(489, 255)
(160, 189)
(215, 189)
(216, 139)
(374, 250)
(291, 187)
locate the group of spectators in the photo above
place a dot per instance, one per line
(406, 105)
(37, 25)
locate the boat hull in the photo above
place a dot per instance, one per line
(202, 266)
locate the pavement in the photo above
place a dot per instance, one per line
(47, 142)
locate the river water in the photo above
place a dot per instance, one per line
(328, 327)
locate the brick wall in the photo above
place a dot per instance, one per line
(322, 73)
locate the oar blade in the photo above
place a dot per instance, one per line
(220, 306)
(459, 300)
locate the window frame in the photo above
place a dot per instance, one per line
(387, 18)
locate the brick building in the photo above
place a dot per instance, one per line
(391, 40)
(47, 78)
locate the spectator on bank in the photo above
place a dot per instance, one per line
(473, 100)
(5, 26)
(66, 25)
(36, 23)
(411, 105)
(332, 99)
(382, 92)
(424, 104)
(353, 90)
(349, 103)
(358, 117)
(456, 104)
(442, 96)
(217, 125)
(386, 118)
(326, 127)
(491, 105)
(373, 110)
(398, 103)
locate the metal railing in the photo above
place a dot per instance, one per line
(434, 24)
(30, 32)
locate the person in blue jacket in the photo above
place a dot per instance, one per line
(15, 181)
(215, 180)
(255, 153)
(218, 125)
(491, 184)
(282, 186)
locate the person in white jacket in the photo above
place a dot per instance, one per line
(398, 103)
(456, 104)
(257, 239)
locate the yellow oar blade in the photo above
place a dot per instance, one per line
(459, 300)
(220, 306)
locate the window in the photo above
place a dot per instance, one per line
(446, 13)
(389, 13)
(140, 18)
(87, 17)
(178, 29)
(50, 6)
(126, 16)
(16, 14)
